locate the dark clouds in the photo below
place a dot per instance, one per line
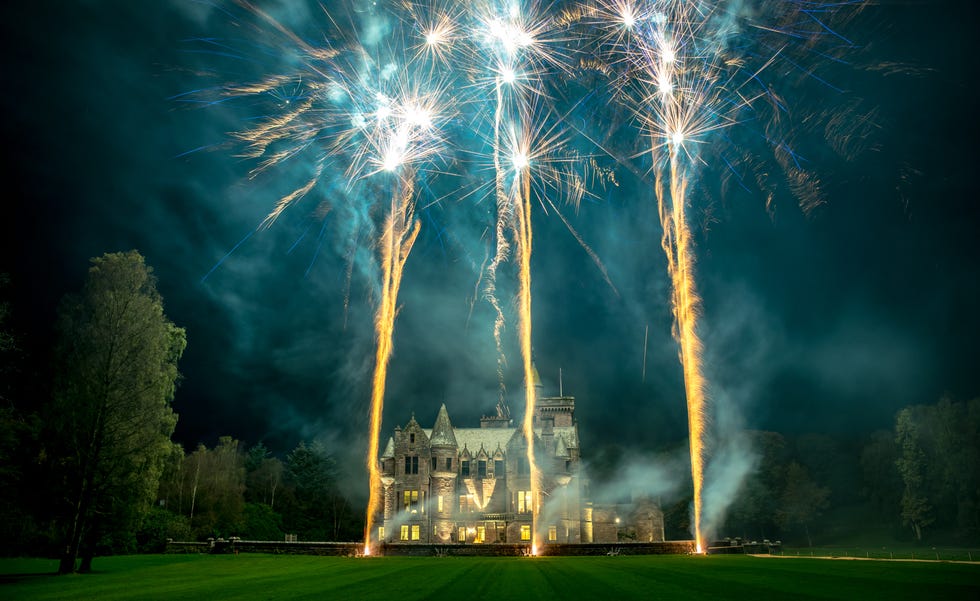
(829, 322)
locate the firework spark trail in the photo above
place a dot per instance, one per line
(676, 243)
(508, 36)
(400, 233)
(502, 245)
(521, 190)
(375, 117)
(683, 60)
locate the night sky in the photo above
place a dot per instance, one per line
(823, 322)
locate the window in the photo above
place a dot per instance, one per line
(466, 505)
(522, 466)
(410, 500)
(481, 534)
(411, 464)
(524, 501)
(433, 464)
(449, 464)
(416, 532)
(568, 466)
(411, 438)
(404, 532)
(498, 468)
(462, 534)
(552, 534)
(381, 533)
(481, 469)
(464, 469)
(525, 532)
(439, 503)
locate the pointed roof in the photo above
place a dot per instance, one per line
(535, 376)
(389, 449)
(442, 431)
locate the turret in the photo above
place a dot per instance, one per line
(442, 476)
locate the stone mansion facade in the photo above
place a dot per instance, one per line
(450, 485)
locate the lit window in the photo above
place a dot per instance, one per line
(439, 503)
(381, 533)
(462, 534)
(552, 534)
(525, 533)
(523, 501)
(404, 532)
(410, 500)
(481, 534)
(416, 532)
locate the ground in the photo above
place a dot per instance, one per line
(691, 578)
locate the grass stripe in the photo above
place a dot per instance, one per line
(691, 578)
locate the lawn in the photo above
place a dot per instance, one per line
(690, 578)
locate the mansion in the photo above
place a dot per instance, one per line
(473, 485)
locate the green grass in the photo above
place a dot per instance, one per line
(896, 551)
(174, 577)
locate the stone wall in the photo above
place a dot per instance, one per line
(429, 550)
(274, 547)
(679, 547)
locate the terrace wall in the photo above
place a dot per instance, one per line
(428, 550)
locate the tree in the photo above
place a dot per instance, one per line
(939, 450)
(171, 494)
(752, 514)
(263, 476)
(313, 507)
(917, 512)
(219, 489)
(117, 372)
(882, 482)
(802, 500)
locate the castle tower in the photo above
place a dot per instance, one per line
(559, 408)
(442, 477)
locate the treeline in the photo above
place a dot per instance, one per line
(230, 491)
(919, 481)
(87, 463)
(88, 466)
